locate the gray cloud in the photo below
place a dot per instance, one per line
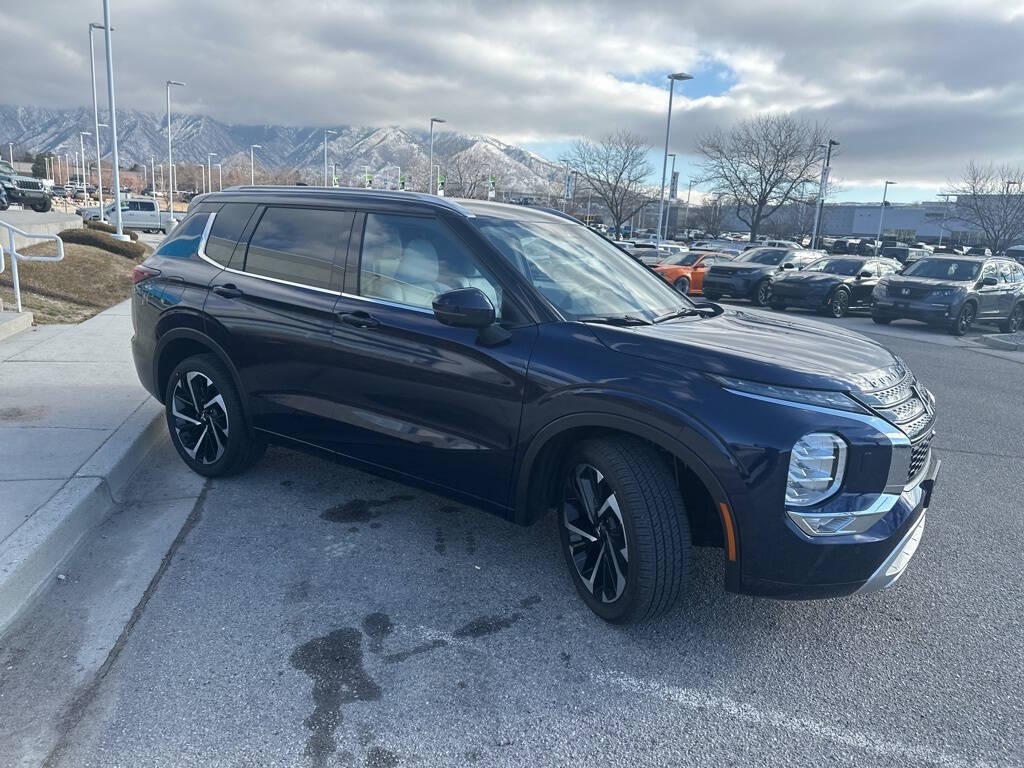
(913, 89)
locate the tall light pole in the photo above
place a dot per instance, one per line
(671, 175)
(81, 145)
(152, 186)
(881, 214)
(10, 151)
(430, 173)
(202, 176)
(826, 163)
(664, 162)
(170, 162)
(119, 235)
(327, 132)
(252, 163)
(945, 210)
(686, 216)
(96, 117)
(334, 175)
(220, 178)
(209, 170)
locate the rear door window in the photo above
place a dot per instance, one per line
(298, 245)
(227, 230)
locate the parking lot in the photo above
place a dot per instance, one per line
(310, 614)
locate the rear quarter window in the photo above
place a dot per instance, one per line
(183, 242)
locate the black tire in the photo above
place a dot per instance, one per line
(881, 320)
(682, 285)
(762, 293)
(43, 207)
(778, 304)
(964, 320)
(1013, 323)
(4, 205)
(712, 296)
(651, 526)
(209, 432)
(839, 304)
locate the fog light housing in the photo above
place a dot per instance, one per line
(817, 464)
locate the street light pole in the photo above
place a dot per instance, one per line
(881, 214)
(209, 171)
(664, 162)
(81, 145)
(152, 186)
(326, 133)
(202, 176)
(119, 235)
(686, 216)
(825, 164)
(252, 163)
(170, 161)
(671, 176)
(10, 151)
(96, 117)
(220, 178)
(430, 173)
(945, 210)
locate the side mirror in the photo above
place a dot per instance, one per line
(864, 273)
(789, 265)
(989, 281)
(464, 308)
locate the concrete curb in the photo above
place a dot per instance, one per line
(12, 323)
(34, 552)
(1002, 341)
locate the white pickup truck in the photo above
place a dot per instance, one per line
(136, 213)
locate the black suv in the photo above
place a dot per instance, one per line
(832, 285)
(516, 361)
(750, 275)
(954, 292)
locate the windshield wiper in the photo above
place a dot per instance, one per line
(615, 320)
(686, 312)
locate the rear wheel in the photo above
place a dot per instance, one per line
(43, 207)
(624, 529)
(682, 285)
(840, 303)
(762, 293)
(964, 319)
(1013, 323)
(206, 419)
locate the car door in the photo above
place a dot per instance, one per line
(421, 398)
(272, 308)
(990, 296)
(861, 287)
(1007, 289)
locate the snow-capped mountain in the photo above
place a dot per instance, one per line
(355, 149)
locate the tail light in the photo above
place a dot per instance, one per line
(141, 272)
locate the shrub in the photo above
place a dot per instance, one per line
(99, 239)
(103, 226)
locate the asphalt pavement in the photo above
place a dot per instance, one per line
(311, 614)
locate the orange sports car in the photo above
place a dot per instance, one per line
(685, 271)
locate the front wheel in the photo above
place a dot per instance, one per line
(624, 529)
(964, 319)
(206, 419)
(43, 207)
(840, 303)
(762, 293)
(1013, 323)
(682, 285)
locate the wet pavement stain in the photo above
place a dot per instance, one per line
(30, 413)
(377, 626)
(482, 626)
(334, 663)
(360, 510)
(439, 544)
(529, 602)
(378, 757)
(430, 645)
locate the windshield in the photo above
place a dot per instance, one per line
(836, 266)
(682, 259)
(6, 167)
(944, 269)
(580, 273)
(767, 256)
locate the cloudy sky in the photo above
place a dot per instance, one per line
(912, 89)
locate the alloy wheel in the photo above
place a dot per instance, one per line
(682, 285)
(840, 302)
(596, 533)
(200, 417)
(966, 317)
(764, 294)
(1016, 319)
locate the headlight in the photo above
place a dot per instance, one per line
(816, 467)
(822, 398)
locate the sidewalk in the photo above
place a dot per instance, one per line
(74, 425)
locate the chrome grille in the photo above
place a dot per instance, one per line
(905, 291)
(919, 455)
(904, 404)
(26, 184)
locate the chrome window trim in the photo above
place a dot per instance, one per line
(204, 257)
(386, 303)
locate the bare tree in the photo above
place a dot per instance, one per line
(466, 176)
(615, 169)
(761, 163)
(709, 215)
(990, 198)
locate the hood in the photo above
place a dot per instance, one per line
(755, 345)
(931, 283)
(794, 276)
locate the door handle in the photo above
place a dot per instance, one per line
(228, 291)
(359, 319)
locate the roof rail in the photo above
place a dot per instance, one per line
(380, 194)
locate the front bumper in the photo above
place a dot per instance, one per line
(799, 297)
(915, 309)
(728, 286)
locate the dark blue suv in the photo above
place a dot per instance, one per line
(516, 361)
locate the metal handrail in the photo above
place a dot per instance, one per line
(16, 257)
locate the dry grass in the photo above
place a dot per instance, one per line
(86, 282)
